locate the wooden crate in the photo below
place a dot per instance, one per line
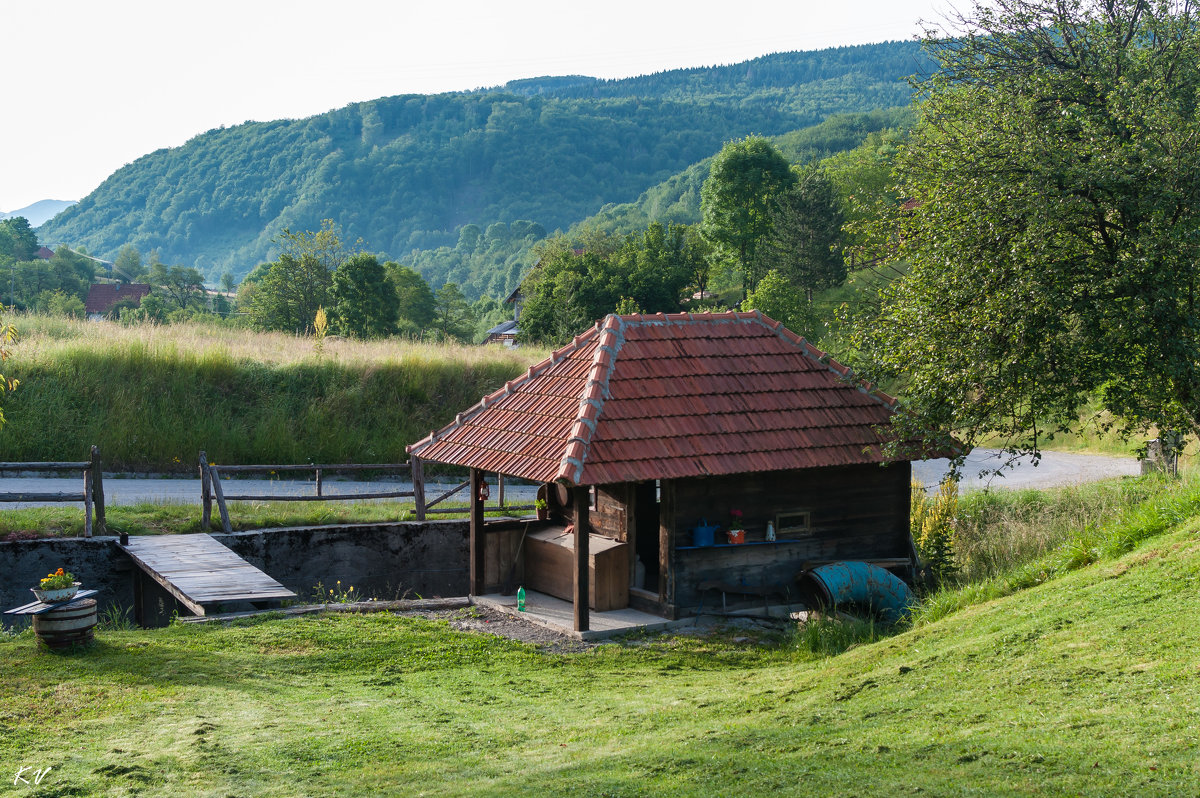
(550, 568)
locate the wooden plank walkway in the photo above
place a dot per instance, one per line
(201, 572)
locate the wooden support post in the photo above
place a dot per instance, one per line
(582, 495)
(478, 539)
(666, 542)
(101, 525)
(500, 490)
(318, 482)
(418, 480)
(205, 494)
(139, 598)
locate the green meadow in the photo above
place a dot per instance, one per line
(1054, 674)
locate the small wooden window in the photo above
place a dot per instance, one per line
(793, 523)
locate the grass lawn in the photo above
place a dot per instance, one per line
(1085, 685)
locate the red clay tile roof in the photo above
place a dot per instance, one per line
(102, 296)
(670, 396)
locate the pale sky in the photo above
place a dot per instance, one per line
(90, 86)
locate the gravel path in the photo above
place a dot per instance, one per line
(1054, 469)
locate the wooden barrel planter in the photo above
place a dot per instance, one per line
(67, 626)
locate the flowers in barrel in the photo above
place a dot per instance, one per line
(58, 586)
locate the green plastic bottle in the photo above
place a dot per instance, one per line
(521, 599)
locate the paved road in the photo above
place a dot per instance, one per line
(1054, 469)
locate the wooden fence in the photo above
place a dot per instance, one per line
(92, 494)
(212, 490)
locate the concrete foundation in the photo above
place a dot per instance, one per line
(383, 561)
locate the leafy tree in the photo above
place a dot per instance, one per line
(364, 306)
(574, 286)
(285, 295)
(128, 264)
(324, 245)
(181, 285)
(288, 295)
(1052, 237)
(152, 309)
(17, 239)
(228, 281)
(777, 297)
(60, 303)
(867, 192)
(414, 296)
(803, 244)
(736, 200)
(452, 315)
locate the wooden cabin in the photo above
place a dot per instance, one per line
(645, 429)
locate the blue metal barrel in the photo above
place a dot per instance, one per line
(862, 584)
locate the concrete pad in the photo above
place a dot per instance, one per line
(559, 615)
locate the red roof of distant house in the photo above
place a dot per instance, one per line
(670, 396)
(45, 253)
(102, 296)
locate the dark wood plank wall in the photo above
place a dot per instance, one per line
(857, 512)
(610, 518)
(502, 544)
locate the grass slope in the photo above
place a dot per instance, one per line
(152, 397)
(1086, 684)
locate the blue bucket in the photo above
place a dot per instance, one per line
(702, 535)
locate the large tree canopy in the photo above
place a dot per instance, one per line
(736, 201)
(1053, 227)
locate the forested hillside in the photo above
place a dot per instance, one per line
(677, 199)
(407, 173)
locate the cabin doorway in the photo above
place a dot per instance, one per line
(645, 535)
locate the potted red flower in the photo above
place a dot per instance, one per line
(736, 533)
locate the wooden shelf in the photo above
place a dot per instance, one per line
(740, 545)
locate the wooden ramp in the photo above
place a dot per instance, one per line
(201, 572)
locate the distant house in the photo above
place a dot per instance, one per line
(102, 296)
(503, 333)
(44, 253)
(507, 332)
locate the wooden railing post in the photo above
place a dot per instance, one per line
(219, 492)
(418, 480)
(205, 493)
(101, 525)
(87, 502)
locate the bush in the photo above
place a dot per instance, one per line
(933, 521)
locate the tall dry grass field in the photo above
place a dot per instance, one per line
(153, 396)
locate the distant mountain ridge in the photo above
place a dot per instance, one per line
(40, 212)
(405, 173)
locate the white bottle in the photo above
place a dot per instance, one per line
(770, 530)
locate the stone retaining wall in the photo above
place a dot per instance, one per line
(384, 561)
